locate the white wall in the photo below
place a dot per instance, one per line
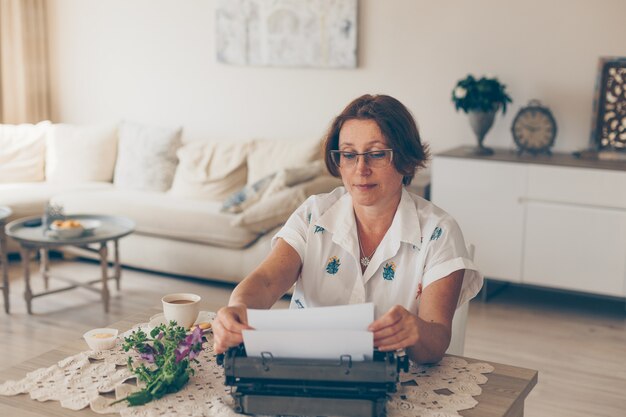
(154, 61)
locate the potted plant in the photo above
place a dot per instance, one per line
(480, 99)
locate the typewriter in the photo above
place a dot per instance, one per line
(312, 387)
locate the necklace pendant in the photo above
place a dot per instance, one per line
(365, 261)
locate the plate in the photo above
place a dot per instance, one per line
(158, 319)
(69, 233)
(90, 225)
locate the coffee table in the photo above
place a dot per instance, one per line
(5, 212)
(502, 396)
(112, 229)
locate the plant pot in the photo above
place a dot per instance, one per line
(481, 122)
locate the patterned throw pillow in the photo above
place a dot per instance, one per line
(270, 185)
(247, 196)
(275, 210)
(146, 157)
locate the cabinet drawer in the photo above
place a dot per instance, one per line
(582, 186)
(575, 248)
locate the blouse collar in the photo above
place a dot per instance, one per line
(340, 222)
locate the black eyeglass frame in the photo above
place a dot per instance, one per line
(365, 155)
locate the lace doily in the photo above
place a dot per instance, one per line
(96, 379)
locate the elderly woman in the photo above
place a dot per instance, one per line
(368, 241)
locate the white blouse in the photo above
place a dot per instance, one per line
(422, 245)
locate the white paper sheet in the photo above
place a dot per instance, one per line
(312, 333)
(307, 344)
(348, 317)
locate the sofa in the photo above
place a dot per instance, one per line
(202, 208)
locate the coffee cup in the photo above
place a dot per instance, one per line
(183, 308)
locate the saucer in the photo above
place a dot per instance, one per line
(158, 319)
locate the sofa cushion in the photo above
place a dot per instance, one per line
(22, 152)
(275, 209)
(163, 215)
(146, 157)
(268, 156)
(268, 186)
(210, 170)
(29, 199)
(248, 195)
(80, 153)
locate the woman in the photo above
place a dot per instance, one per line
(369, 241)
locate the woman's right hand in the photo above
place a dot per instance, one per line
(227, 327)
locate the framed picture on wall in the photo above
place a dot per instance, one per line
(287, 33)
(608, 131)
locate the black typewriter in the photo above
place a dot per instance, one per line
(311, 387)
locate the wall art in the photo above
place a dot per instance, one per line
(609, 118)
(287, 33)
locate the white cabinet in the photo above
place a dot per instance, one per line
(555, 222)
(485, 201)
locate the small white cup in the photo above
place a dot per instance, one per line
(183, 308)
(101, 339)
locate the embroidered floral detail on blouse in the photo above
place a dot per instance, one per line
(436, 233)
(308, 218)
(332, 267)
(298, 303)
(389, 271)
(318, 229)
(419, 291)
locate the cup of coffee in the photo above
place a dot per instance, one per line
(183, 308)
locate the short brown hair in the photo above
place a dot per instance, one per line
(395, 122)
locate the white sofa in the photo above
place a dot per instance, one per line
(180, 195)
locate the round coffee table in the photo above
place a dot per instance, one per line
(5, 212)
(33, 237)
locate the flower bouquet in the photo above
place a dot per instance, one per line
(168, 352)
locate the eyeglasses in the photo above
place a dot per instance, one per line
(373, 159)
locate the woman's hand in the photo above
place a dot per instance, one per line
(396, 329)
(227, 327)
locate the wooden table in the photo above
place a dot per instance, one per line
(33, 238)
(503, 395)
(5, 212)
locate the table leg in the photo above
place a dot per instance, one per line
(104, 264)
(28, 294)
(118, 271)
(5, 267)
(44, 267)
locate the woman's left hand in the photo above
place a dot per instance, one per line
(396, 329)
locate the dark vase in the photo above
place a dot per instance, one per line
(481, 122)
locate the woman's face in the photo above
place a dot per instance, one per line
(368, 186)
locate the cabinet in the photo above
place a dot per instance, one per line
(553, 221)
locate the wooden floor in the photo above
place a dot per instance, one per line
(578, 344)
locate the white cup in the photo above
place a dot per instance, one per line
(183, 308)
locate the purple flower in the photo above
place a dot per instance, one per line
(190, 346)
(194, 337)
(181, 352)
(148, 353)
